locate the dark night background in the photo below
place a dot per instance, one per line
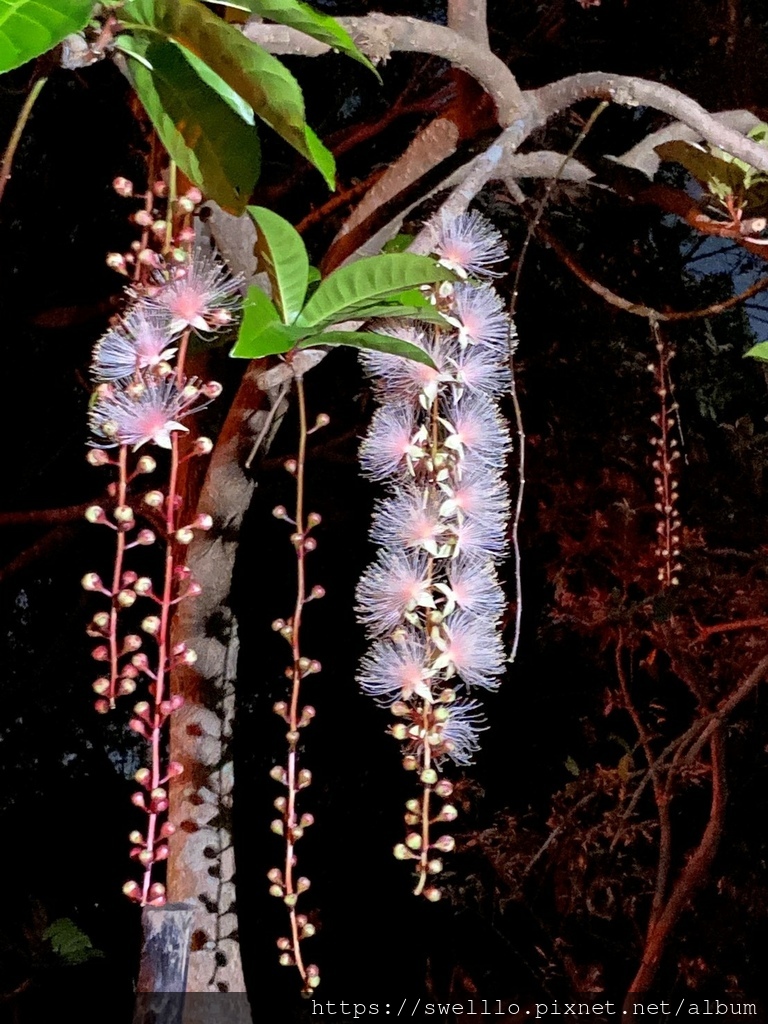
(517, 922)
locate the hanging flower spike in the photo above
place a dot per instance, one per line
(140, 342)
(148, 410)
(200, 294)
(469, 245)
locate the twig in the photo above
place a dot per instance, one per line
(18, 131)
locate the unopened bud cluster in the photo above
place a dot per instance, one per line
(141, 398)
(665, 467)
(432, 602)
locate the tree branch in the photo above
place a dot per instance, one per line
(380, 35)
(469, 19)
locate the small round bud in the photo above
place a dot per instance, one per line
(100, 653)
(402, 852)
(399, 731)
(185, 205)
(95, 514)
(434, 867)
(448, 813)
(290, 466)
(97, 457)
(302, 884)
(132, 890)
(151, 625)
(185, 535)
(101, 620)
(126, 598)
(410, 763)
(146, 464)
(101, 686)
(317, 592)
(212, 389)
(101, 707)
(429, 776)
(432, 894)
(314, 519)
(279, 512)
(445, 844)
(323, 419)
(202, 522)
(123, 187)
(185, 236)
(154, 499)
(444, 788)
(143, 218)
(143, 585)
(159, 228)
(131, 642)
(145, 538)
(116, 261)
(168, 830)
(92, 581)
(413, 841)
(126, 687)
(203, 446)
(276, 890)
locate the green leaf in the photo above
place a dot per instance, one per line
(31, 27)
(399, 243)
(272, 341)
(255, 75)
(215, 82)
(721, 175)
(758, 351)
(369, 279)
(306, 19)
(70, 943)
(371, 341)
(200, 127)
(283, 256)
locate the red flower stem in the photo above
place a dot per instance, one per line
(163, 638)
(293, 716)
(425, 819)
(114, 651)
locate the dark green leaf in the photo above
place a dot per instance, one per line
(70, 943)
(313, 23)
(31, 27)
(373, 278)
(255, 75)
(721, 176)
(206, 137)
(283, 256)
(258, 315)
(399, 243)
(371, 341)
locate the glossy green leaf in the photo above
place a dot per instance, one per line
(215, 82)
(29, 28)
(369, 279)
(283, 256)
(255, 75)
(271, 341)
(758, 351)
(70, 943)
(371, 341)
(258, 315)
(313, 23)
(207, 138)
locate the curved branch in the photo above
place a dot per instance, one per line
(638, 92)
(380, 35)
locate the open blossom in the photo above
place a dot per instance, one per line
(468, 244)
(396, 670)
(474, 649)
(474, 586)
(481, 371)
(148, 410)
(476, 430)
(408, 520)
(396, 583)
(398, 379)
(390, 437)
(139, 342)
(460, 733)
(200, 295)
(482, 317)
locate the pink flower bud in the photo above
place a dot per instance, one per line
(154, 499)
(101, 686)
(212, 389)
(146, 464)
(95, 514)
(143, 218)
(101, 707)
(290, 466)
(143, 585)
(97, 457)
(184, 535)
(137, 799)
(202, 522)
(151, 625)
(310, 544)
(203, 446)
(128, 578)
(159, 228)
(136, 725)
(145, 858)
(143, 776)
(161, 852)
(446, 844)
(100, 653)
(317, 592)
(314, 519)
(156, 891)
(185, 236)
(167, 830)
(92, 581)
(126, 598)
(145, 538)
(126, 687)
(194, 195)
(160, 189)
(133, 891)
(185, 205)
(136, 838)
(116, 261)
(123, 187)
(175, 768)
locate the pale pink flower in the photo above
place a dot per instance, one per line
(390, 436)
(468, 244)
(139, 342)
(477, 429)
(474, 648)
(483, 317)
(200, 294)
(475, 587)
(482, 372)
(147, 410)
(480, 539)
(407, 520)
(396, 583)
(399, 379)
(396, 670)
(460, 733)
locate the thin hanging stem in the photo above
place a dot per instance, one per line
(18, 131)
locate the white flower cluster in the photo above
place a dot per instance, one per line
(432, 602)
